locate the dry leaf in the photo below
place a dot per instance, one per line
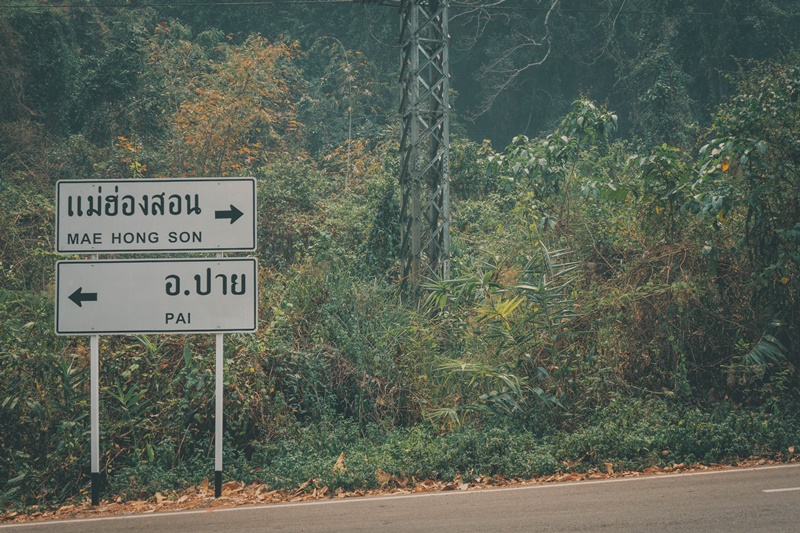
(339, 466)
(160, 497)
(382, 477)
(609, 468)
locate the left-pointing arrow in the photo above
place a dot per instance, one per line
(78, 297)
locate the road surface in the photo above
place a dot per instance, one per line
(746, 500)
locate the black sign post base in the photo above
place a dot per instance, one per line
(96, 481)
(217, 483)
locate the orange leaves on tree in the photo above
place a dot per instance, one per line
(239, 111)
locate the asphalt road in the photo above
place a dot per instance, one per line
(746, 500)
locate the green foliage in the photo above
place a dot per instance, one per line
(662, 106)
(666, 177)
(515, 328)
(382, 247)
(547, 169)
(505, 396)
(633, 434)
(346, 96)
(546, 165)
(358, 354)
(42, 396)
(750, 172)
(637, 434)
(469, 178)
(641, 335)
(291, 193)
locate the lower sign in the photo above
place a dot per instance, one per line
(156, 296)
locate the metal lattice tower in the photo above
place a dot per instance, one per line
(425, 140)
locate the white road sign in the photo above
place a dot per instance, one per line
(156, 296)
(155, 215)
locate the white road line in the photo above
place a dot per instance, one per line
(354, 500)
(781, 490)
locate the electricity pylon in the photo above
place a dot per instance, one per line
(425, 140)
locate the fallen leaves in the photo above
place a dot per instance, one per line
(382, 477)
(235, 493)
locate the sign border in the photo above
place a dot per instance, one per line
(160, 331)
(90, 251)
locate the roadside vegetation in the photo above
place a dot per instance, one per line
(613, 300)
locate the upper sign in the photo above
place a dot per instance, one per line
(156, 215)
(156, 296)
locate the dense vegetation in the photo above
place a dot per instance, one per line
(625, 283)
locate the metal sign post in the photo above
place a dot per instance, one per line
(94, 393)
(94, 413)
(218, 399)
(183, 296)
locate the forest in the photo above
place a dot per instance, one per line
(624, 290)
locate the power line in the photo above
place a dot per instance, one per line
(623, 11)
(256, 3)
(176, 4)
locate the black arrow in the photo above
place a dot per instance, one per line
(79, 297)
(234, 214)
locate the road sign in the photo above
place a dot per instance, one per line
(156, 296)
(155, 215)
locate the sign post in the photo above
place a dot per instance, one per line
(218, 402)
(94, 393)
(183, 296)
(218, 399)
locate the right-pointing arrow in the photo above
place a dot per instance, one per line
(78, 297)
(233, 214)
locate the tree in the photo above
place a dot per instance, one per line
(662, 63)
(751, 176)
(238, 106)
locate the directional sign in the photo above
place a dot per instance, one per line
(156, 215)
(156, 296)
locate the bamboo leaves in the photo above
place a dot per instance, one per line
(516, 327)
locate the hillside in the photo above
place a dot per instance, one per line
(625, 284)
